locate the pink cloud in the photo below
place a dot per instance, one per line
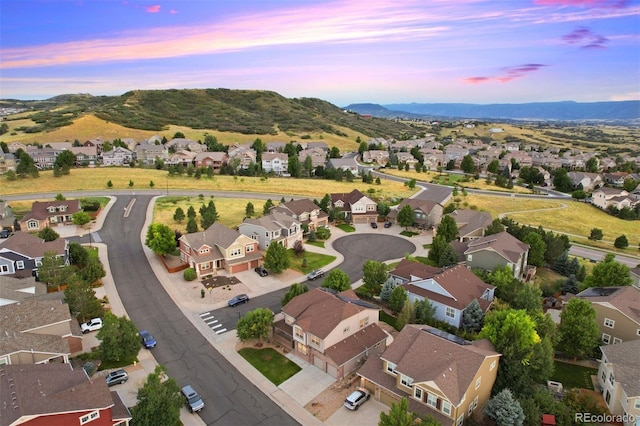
(583, 3)
(476, 80)
(173, 11)
(153, 9)
(507, 74)
(586, 38)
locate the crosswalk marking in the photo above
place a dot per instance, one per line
(212, 323)
(221, 331)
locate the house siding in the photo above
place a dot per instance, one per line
(624, 327)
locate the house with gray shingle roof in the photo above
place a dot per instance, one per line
(304, 211)
(471, 223)
(22, 253)
(274, 227)
(426, 213)
(496, 251)
(440, 374)
(217, 248)
(335, 332)
(48, 394)
(619, 379)
(49, 213)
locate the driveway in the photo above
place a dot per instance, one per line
(367, 414)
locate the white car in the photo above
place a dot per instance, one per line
(357, 398)
(91, 325)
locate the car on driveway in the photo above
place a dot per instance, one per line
(117, 377)
(374, 225)
(315, 274)
(387, 224)
(148, 341)
(238, 300)
(4, 233)
(357, 398)
(260, 270)
(193, 399)
(91, 325)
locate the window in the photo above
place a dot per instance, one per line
(249, 248)
(405, 380)
(299, 333)
(364, 322)
(616, 340)
(89, 417)
(636, 405)
(606, 338)
(32, 224)
(4, 361)
(38, 262)
(20, 264)
(4, 268)
(469, 258)
(301, 348)
(446, 407)
(315, 340)
(432, 400)
(638, 332)
(611, 379)
(205, 266)
(266, 234)
(493, 365)
(204, 250)
(236, 252)
(417, 393)
(609, 323)
(607, 397)
(460, 420)
(451, 313)
(391, 368)
(478, 382)
(603, 376)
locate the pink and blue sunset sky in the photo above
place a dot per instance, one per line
(380, 51)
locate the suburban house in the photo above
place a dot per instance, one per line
(304, 211)
(13, 290)
(471, 223)
(275, 226)
(449, 290)
(7, 161)
(356, 207)
(440, 374)
(186, 144)
(635, 276)
(585, 181)
(147, 153)
(335, 332)
(619, 380)
(219, 247)
(406, 158)
(426, 213)
(616, 178)
(118, 156)
(377, 156)
(318, 156)
(616, 197)
(496, 251)
(49, 213)
(85, 155)
(455, 152)
(617, 312)
(38, 332)
(22, 253)
(97, 143)
(275, 162)
(56, 395)
(432, 158)
(43, 158)
(275, 146)
(344, 164)
(7, 219)
(215, 160)
(182, 157)
(243, 155)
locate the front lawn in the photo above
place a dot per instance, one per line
(274, 366)
(316, 243)
(409, 233)
(346, 227)
(314, 261)
(573, 376)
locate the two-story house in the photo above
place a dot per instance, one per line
(619, 381)
(377, 156)
(304, 211)
(56, 394)
(440, 374)
(7, 162)
(617, 312)
(219, 247)
(243, 155)
(49, 213)
(44, 158)
(177, 144)
(496, 251)
(22, 254)
(585, 181)
(7, 218)
(449, 290)
(471, 223)
(274, 227)
(344, 164)
(85, 155)
(215, 160)
(275, 162)
(426, 213)
(616, 197)
(318, 157)
(335, 332)
(118, 156)
(147, 153)
(181, 157)
(97, 143)
(355, 206)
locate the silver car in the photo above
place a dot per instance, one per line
(193, 399)
(117, 377)
(357, 398)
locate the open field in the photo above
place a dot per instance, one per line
(96, 179)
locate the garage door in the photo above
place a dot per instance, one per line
(240, 267)
(332, 371)
(255, 263)
(318, 362)
(387, 397)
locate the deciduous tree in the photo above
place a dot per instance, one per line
(295, 290)
(159, 400)
(405, 216)
(160, 239)
(48, 234)
(537, 248)
(276, 258)
(119, 338)
(80, 218)
(579, 332)
(608, 273)
(255, 324)
(374, 275)
(338, 280)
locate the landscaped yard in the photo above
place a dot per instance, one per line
(314, 261)
(346, 227)
(273, 365)
(316, 243)
(573, 376)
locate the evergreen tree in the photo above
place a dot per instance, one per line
(267, 206)
(570, 285)
(295, 290)
(424, 311)
(249, 210)
(448, 256)
(472, 316)
(504, 409)
(448, 228)
(495, 228)
(562, 264)
(192, 225)
(191, 212)
(387, 289)
(178, 215)
(437, 248)
(48, 234)
(398, 298)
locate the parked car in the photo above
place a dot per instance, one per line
(315, 274)
(117, 377)
(374, 225)
(387, 224)
(193, 399)
(148, 341)
(238, 300)
(91, 325)
(357, 398)
(260, 270)
(4, 233)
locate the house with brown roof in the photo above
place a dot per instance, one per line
(219, 247)
(448, 290)
(496, 251)
(304, 211)
(182, 157)
(7, 161)
(97, 143)
(215, 160)
(118, 156)
(471, 223)
(617, 312)
(185, 144)
(38, 331)
(85, 155)
(56, 394)
(49, 213)
(275, 227)
(22, 254)
(7, 218)
(605, 197)
(243, 155)
(377, 156)
(44, 158)
(619, 380)
(335, 332)
(355, 206)
(426, 213)
(440, 374)
(318, 156)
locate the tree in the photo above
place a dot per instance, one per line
(506, 285)
(276, 258)
(424, 311)
(325, 203)
(78, 255)
(334, 152)
(53, 271)
(467, 165)
(398, 298)
(528, 297)
(579, 332)
(448, 228)
(208, 215)
(609, 273)
(192, 225)
(387, 289)
(399, 415)
(472, 316)
(159, 400)
(494, 228)
(26, 165)
(411, 183)
(504, 409)
(191, 212)
(295, 290)
(80, 218)
(630, 184)
(591, 165)
(438, 246)
(82, 300)
(596, 234)
(267, 206)
(570, 285)
(562, 181)
(579, 194)
(160, 239)
(537, 248)
(448, 256)
(255, 324)
(298, 248)
(249, 210)
(119, 338)
(375, 274)
(92, 271)
(178, 215)
(130, 183)
(48, 234)
(405, 216)
(383, 209)
(494, 166)
(338, 280)
(621, 242)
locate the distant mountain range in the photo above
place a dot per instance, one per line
(564, 111)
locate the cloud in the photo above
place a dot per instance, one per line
(153, 9)
(585, 38)
(584, 3)
(506, 74)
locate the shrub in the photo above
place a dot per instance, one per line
(189, 274)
